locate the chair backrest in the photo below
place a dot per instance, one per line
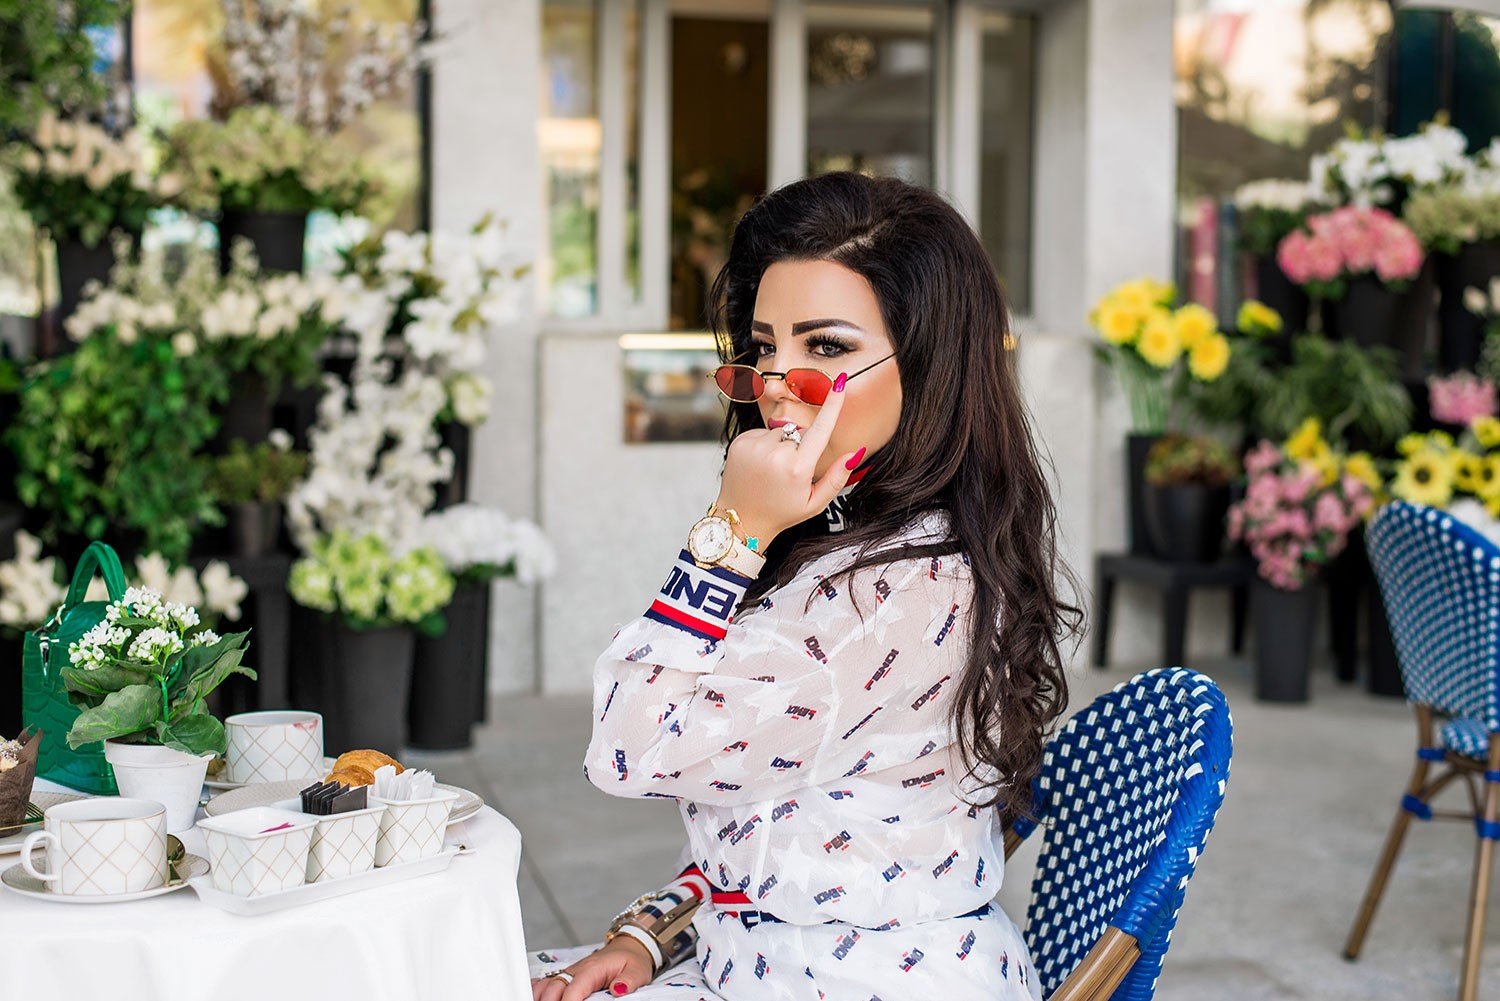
(1440, 581)
(1128, 791)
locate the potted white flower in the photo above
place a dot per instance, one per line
(478, 545)
(142, 677)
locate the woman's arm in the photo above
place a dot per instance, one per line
(690, 704)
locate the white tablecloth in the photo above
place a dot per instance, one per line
(454, 934)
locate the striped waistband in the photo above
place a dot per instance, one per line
(736, 904)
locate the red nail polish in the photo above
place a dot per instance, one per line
(618, 988)
(838, 384)
(854, 460)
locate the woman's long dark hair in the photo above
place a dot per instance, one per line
(963, 444)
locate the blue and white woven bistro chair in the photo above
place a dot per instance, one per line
(1440, 581)
(1128, 791)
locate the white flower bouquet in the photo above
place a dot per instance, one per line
(143, 673)
(364, 582)
(1381, 171)
(79, 182)
(478, 543)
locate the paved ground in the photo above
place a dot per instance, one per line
(1311, 792)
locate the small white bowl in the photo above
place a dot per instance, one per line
(343, 844)
(249, 858)
(412, 829)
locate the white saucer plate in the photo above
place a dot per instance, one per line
(17, 880)
(268, 793)
(222, 785)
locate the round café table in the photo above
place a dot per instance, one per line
(451, 934)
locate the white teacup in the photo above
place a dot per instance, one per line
(278, 745)
(101, 847)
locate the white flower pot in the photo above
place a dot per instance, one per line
(170, 777)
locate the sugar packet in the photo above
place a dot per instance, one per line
(410, 784)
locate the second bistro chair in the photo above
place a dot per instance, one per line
(1128, 792)
(1440, 581)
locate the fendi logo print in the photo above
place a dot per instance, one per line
(894, 873)
(725, 786)
(612, 689)
(801, 712)
(765, 887)
(883, 669)
(910, 959)
(844, 944)
(946, 864)
(860, 765)
(724, 974)
(781, 810)
(964, 945)
(703, 595)
(783, 764)
(620, 765)
(927, 749)
(717, 698)
(745, 830)
(738, 745)
(882, 591)
(639, 652)
(922, 781)
(839, 842)
(814, 650)
(931, 693)
(979, 873)
(824, 896)
(761, 967)
(871, 715)
(947, 625)
(826, 589)
(934, 567)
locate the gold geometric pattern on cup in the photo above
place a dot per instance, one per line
(267, 753)
(412, 831)
(108, 857)
(343, 847)
(248, 867)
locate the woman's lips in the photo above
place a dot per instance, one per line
(778, 423)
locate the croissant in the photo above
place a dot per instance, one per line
(357, 768)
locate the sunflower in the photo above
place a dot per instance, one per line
(1425, 477)
(1118, 322)
(1487, 478)
(1209, 357)
(1258, 319)
(1195, 324)
(1159, 343)
(1362, 468)
(1487, 430)
(1467, 469)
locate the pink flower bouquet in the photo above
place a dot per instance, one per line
(1461, 398)
(1296, 515)
(1346, 243)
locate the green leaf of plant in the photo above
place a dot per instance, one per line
(101, 681)
(214, 675)
(126, 711)
(197, 733)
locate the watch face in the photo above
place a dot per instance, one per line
(710, 539)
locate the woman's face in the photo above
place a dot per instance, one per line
(838, 328)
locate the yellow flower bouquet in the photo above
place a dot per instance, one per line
(1436, 470)
(1157, 346)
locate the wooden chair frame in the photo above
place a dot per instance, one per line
(1484, 810)
(1108, 961)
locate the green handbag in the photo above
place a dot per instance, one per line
(44, 698)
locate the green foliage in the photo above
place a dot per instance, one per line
(1261, 228)
(68, 209)
(156, 702)
(1347, 387)
(46, 59)
(109, 438)
(262, 474)
(363, 582)
(1446, 219)
(1182, 459)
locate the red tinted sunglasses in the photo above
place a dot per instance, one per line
(746, 383)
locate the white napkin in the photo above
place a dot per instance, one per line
(408, 785)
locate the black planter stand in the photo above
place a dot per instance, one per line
(247, 414)
(1136, 448)
(254, 528)
(277, 236)
(1276, 290)
(1186, 523)
(1415, 308)
(1461, 332)
(450, 669)
(76, 266)
(1346, 579)
(365, 677)
(1366, 314)
(1284, 622)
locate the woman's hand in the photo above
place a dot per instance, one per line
(620, 960)
(768, 481)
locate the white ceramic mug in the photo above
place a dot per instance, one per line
(278, 745)
(101, 847)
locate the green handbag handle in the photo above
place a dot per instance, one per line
(99, 557)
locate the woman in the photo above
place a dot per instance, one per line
(848, 676)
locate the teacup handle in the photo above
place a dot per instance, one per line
(31, 842)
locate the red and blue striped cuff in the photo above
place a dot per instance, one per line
(698, 600)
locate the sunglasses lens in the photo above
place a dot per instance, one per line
(809, 385)
(743, 385)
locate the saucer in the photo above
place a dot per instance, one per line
(18, 880)
(220, 784)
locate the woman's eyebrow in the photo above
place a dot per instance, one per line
(803, 326)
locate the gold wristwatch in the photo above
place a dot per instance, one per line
(655, 930)
(713, 542)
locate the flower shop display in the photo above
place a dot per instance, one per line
(1157, 349)
(1359, 259)
(1380, 170)
(1187, 496)
(141, 677)
(1436, 469)
(1461, 226)
(81, 185)
(1303, 501)
(373, 602)
(250, 483)
(478, 545)
(264, 173)
(1266, 211)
